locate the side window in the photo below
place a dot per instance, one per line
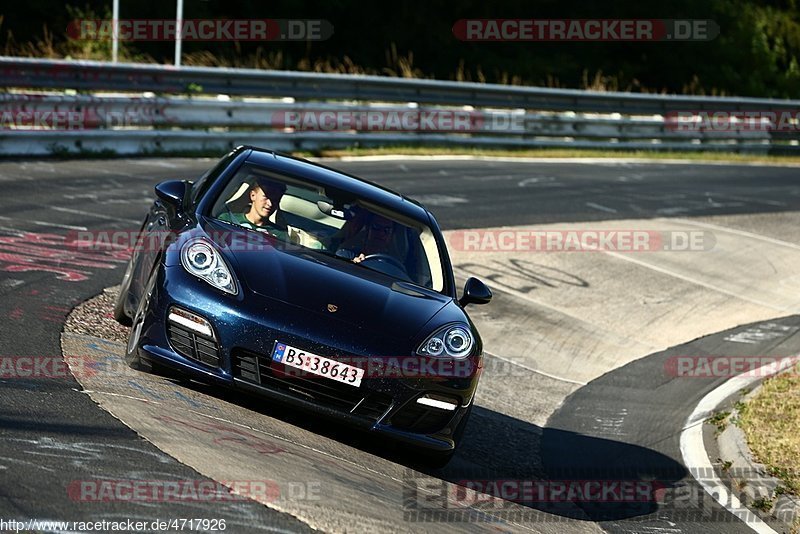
(205, 181)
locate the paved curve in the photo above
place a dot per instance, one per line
(54, 435)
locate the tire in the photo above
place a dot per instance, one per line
(119, 305)
(462, 425)
(438, 460)
(435, 460)
(132, 357)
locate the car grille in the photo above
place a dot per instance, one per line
(192, 345)
(258, 369)
(415, 417)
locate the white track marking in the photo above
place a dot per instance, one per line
(57, 225)
(441, 200)
(694, 454)
(46, 224)
(538, 372)
(600, 207)
(735, 231)
(14, 231)
(156, 163)
(11, 282)
(546, 181)
(691, 280)
(95, 215)
(753, 200)
(761, 333)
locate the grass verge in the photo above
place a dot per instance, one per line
(60, 152)
(770, 421)
(723, 157)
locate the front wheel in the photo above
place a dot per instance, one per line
(458, 435)
(132, 357)
(122, 297)
(438, 460)
(435, 460)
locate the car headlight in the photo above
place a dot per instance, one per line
(454, 341)
(201, 259)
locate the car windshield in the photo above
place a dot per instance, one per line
(336, 223)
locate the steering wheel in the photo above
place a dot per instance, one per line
(390, 264)
(378, 256)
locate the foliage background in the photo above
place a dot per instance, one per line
(756, 53)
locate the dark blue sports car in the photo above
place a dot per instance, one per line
(307, 286)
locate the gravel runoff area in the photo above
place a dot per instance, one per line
(94, 318)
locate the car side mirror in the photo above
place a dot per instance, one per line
(475, 292)
(172, 193)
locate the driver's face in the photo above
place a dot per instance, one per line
(380, 230)
(264, 203)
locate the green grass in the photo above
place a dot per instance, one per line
(770, 421)
(764, 504)
(719, 420)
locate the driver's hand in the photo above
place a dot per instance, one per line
(359, 258)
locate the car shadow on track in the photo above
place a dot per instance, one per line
(557, 471)
(547, 470)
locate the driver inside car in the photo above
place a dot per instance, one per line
(265, 198)
(377, 239)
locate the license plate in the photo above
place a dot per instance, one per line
(317, 365)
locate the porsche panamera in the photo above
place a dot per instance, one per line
(310, 287)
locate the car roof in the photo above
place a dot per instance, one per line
(337, 179)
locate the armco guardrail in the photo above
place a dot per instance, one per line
(95, 75)
(278, 108)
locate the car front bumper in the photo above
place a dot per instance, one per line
(237, 355)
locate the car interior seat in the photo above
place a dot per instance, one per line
(239, 202)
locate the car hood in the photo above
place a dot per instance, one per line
(334, 291)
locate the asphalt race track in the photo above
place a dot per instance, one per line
(580, 382)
